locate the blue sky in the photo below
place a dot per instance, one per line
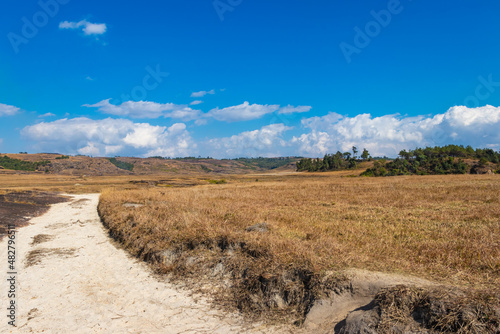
(231, 78)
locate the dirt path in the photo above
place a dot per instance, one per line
(72, 279)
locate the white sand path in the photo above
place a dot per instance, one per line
(81, 283)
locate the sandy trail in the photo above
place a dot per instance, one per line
(72, 279)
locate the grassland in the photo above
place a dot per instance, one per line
(442, 228)
(277, 241)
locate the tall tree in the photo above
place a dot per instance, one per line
(354, 151)
(365, 155)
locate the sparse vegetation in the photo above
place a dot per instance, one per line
(267, 163)
(122, 164)
(222, 181)
(16, 164)
(205, 169)
(62, 157)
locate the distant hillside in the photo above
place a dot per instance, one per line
(53, 163)
(451, 159)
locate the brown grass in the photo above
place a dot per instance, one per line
(36, 256)
(439, 309)
(89, 184)
(444, 228)
(40, 238)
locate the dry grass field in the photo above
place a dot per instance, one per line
(442, 228)
(73, 184)
(277, 241)
(445, 228)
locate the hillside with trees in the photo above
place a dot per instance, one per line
(333, 162)
(451, 159)
(56, 163)
(18, 164)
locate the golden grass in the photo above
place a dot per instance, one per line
(445, 228)
(87, 184)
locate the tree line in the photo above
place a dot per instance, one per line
(17, 164)
(448, 159)
(332, 162)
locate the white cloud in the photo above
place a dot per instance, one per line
(146, 109)
(200, 121)
(196, 102)
(291, 109)
(242, 112)
(387, 135)
(202, 93)
(110, 137)
(384, 135)
(87, 27)
(49, 114)
(6, 110)
(266, 141)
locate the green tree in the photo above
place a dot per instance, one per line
(354, 151)
(365, 155)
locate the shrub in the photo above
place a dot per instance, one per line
(217, 181)
(122, 164)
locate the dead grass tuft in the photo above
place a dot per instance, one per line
(35, 257)
(441, 310)
(40, 238)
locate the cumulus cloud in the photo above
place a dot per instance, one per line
(6, 110)
(146, 109)
(267, 141)
(203, 93)
(110, 137)
(387, 135)
(291, 109)
(242, 112)
(87, 27)
(382, 135)
(49, 114)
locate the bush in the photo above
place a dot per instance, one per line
(217, 181)
(122, 164)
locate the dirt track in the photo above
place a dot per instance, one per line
(72, 279)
